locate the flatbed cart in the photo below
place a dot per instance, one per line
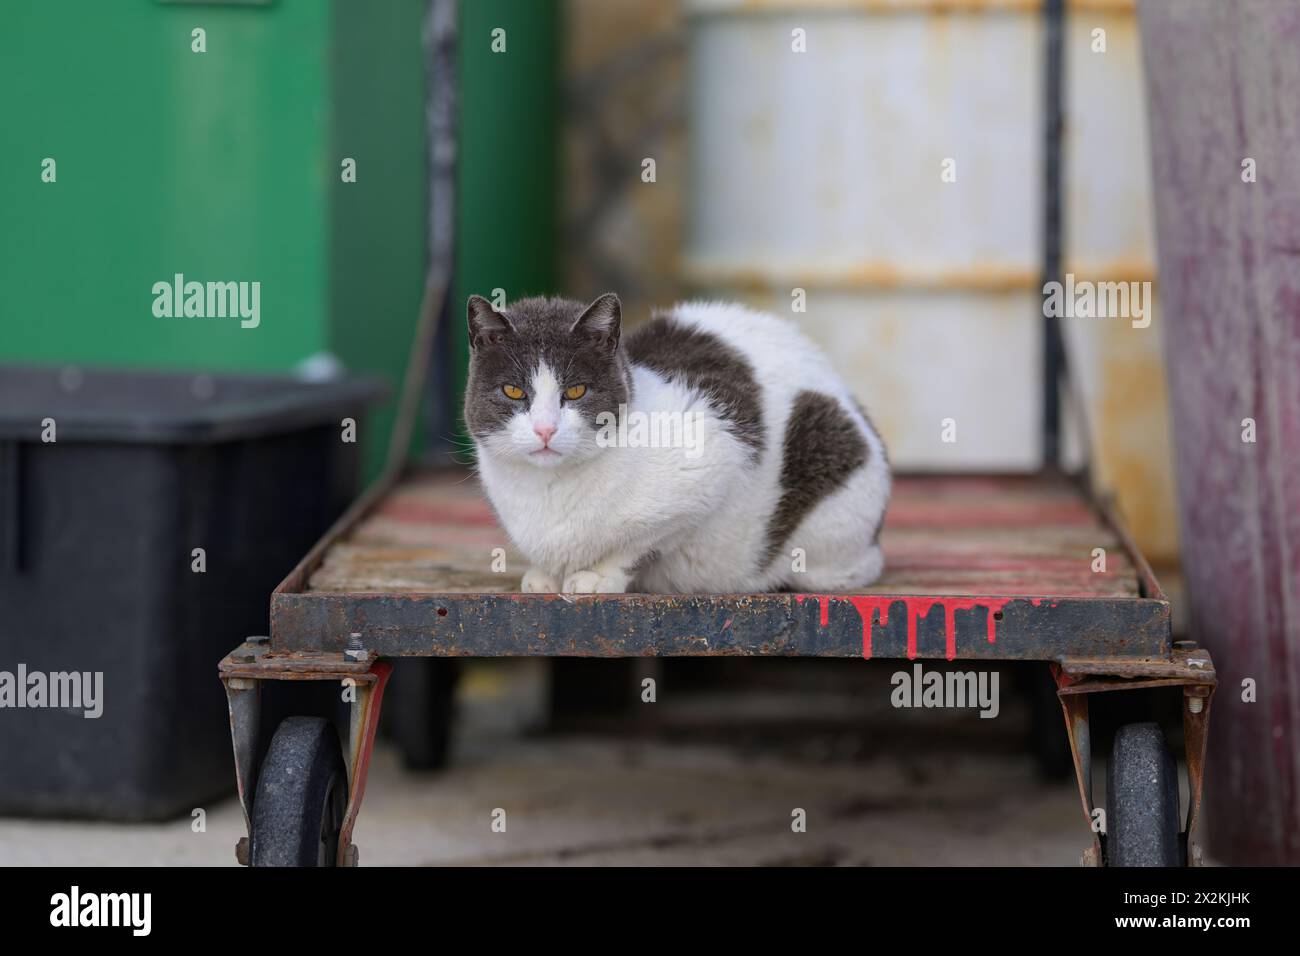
(979, 568)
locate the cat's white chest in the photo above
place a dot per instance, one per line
(545, 518)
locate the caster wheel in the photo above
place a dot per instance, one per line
(301, 797)
(1142, 827)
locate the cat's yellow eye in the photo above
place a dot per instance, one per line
(575, 392)
(513, 391)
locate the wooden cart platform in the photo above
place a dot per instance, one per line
(980, 567)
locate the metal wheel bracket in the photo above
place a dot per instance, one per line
(1188, 667)
(244, 670)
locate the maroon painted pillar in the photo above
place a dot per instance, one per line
(1223, 93)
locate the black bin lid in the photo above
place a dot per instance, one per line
(117, 405)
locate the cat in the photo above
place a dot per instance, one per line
(767, 450)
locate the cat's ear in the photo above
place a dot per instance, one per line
(602, 322)
(487, 326)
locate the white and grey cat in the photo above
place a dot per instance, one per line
(695, 455)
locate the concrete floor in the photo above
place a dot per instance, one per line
(697, 778)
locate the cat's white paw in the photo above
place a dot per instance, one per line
(582, 582)
(592, 582)
(537, 581)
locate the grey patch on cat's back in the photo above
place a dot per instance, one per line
(884, 453)
(823, 446)
(862, 410)
(704, 362)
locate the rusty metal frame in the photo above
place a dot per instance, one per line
(1188, 667)
(243, 672)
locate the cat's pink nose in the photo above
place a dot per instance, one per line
(544, 432)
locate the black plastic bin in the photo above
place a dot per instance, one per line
(98, 531)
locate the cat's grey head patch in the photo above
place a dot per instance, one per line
(541, 372)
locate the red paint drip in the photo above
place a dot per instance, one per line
(953, 605)
(824, 600)
(869, 607)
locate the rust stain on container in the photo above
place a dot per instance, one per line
(750, 7)
(895, 275)
(1133, 450)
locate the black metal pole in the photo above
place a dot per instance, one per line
(1053, 163)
